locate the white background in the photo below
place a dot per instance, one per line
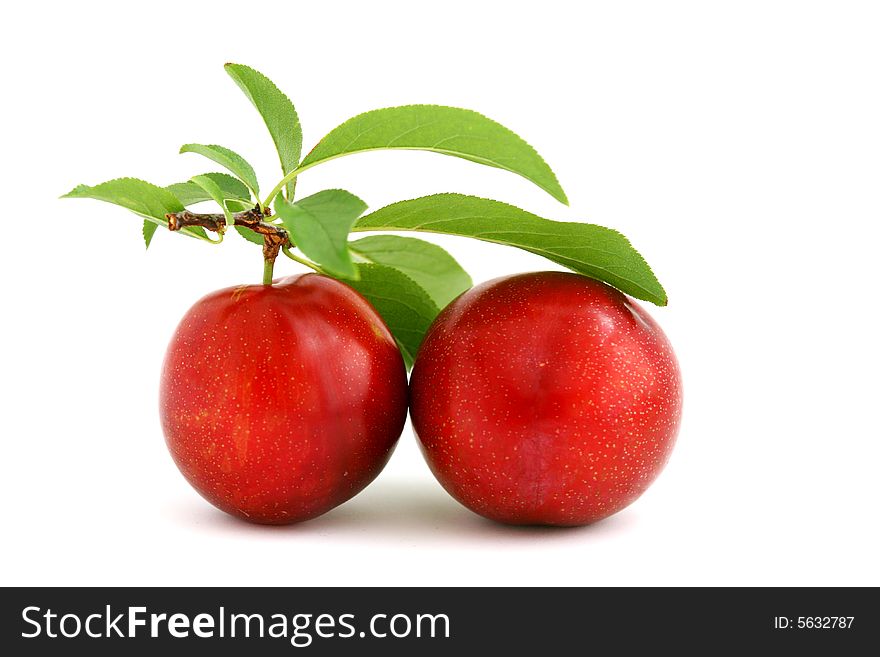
(736, 143)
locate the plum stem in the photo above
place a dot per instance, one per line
(268, 268)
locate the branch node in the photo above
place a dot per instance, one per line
(274, 237)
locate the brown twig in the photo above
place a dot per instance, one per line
(274, 237)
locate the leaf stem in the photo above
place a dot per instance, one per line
(286, 179)
(308, 263)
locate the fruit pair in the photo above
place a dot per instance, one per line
(545, 398)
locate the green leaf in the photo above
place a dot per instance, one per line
(229, 160)
(404, 306)
(448, 130)
(136, 195)
(235, 192)
(278, 113)
(320, 224)
(249, 235)
(238, 205)
(213, 189)
(427, 264)
(149, 230)
(144, 199)
(594, 251)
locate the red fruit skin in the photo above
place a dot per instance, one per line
(545, 399)
(281, 402)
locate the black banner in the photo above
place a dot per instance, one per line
(319, 621)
